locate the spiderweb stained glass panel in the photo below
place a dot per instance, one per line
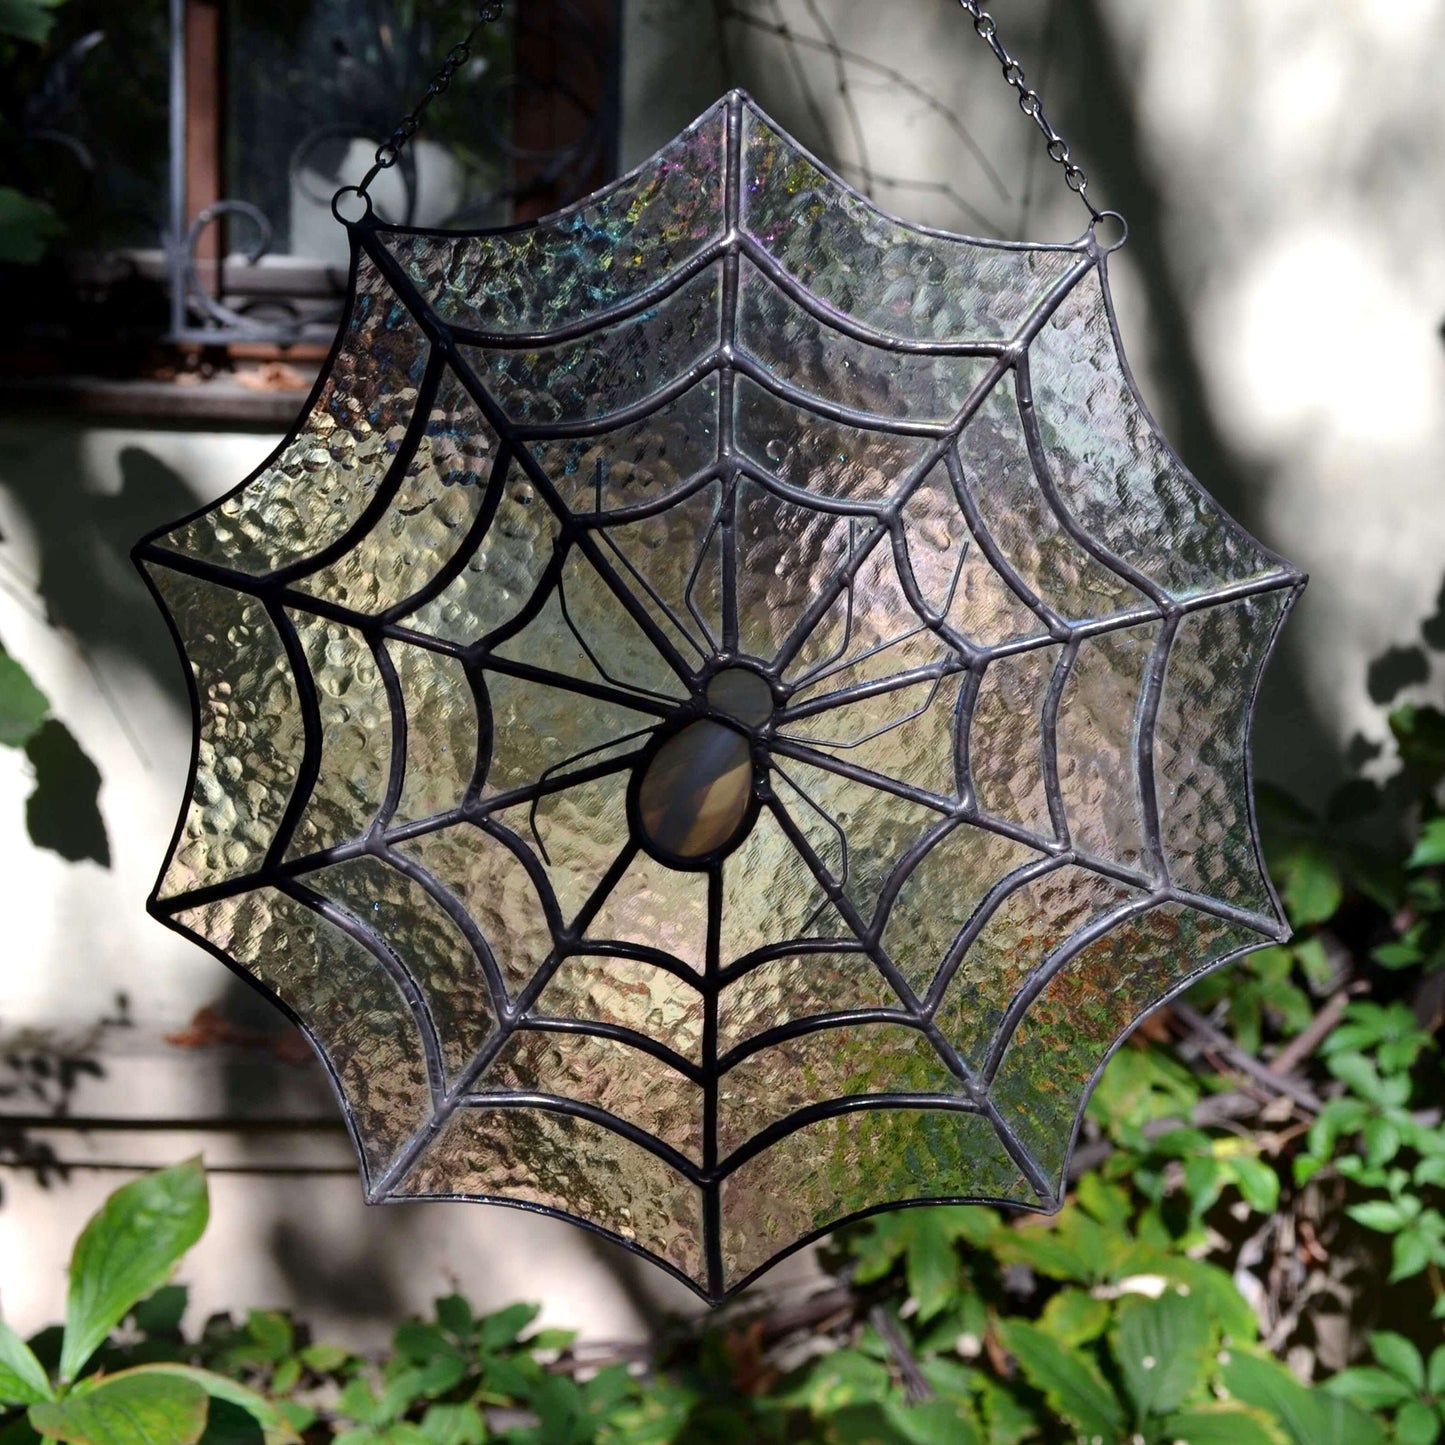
(724, 711)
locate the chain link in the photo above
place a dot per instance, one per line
(389, 151)
(1032, 105)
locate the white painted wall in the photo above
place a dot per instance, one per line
(1296, 150)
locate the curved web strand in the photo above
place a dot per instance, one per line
(864, 523)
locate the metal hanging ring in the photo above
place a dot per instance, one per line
(1119, 225)
(360, 192)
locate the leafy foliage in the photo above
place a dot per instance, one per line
(1272, 1142)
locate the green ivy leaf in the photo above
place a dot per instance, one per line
(1258, 1183)
(159, 1315)
(1221, 1424)
(275, 1428)
(1162, 1347)
(22, 1376)
(1369, 1387)
(324, 1359)
(1396, 955)
(1067, 1379)
(1435, 1377)
(1378, 1214)
(931, 1264)
(505, 1327)
(845, 1377)
(421, 1382)
(1075, 1317)
(1311, 1417)
(28, 19)
(129, 1409)
(1382, 1141)
(1411, 1252)
(935, 1422)
(359, 1403)
(1417, 1424)
(1430, 849)
(27, 226)
(23, 707)
(455, 1314)
(1399, 1357)
(126, 1251)
(1313, 888)
(273, 1332)
(454, 1424)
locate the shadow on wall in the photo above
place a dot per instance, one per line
(1074, 56)
(90, 589)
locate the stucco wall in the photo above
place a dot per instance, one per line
(1281, 167)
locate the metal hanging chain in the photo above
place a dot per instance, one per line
(389, 151)
(1032, 106)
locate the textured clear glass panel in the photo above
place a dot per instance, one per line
(1022, 931)
(317, 485)
(611, 369)
(910, 734)
(572, 1165)
(1114, 471)
(500, 575)
(1006, 741)
(490, 881)
(355, 718)
(629, 993)
(904, 587)
(798, 986)
(786, 554)
(607, 1073)
(881, 827)
(1000, 478)
(823, 833)
(429, 518)
(826, 1171)
(814, 454)
(953, 574)
(872, 631)
(883, 273)
(640, 463)
(586, 259)
(834, 1063)
(427, 943)
(770, 894)
(801, 351)
(441, 731)
(1064, 1038)
(942, 893)
(349, 1003)
(672, 562)
(538, 731)
(250, 731)
(585, 631)
(657, 907)
(576, 835)
(1097, 738)
(1201, 749)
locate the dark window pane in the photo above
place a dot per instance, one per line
(94, 121)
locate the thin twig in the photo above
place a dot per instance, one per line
(915, 1385)
(1246, 1063)
(1305, 1043)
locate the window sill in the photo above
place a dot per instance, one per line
(220, 401)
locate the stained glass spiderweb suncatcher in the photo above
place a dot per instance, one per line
(724, 711)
